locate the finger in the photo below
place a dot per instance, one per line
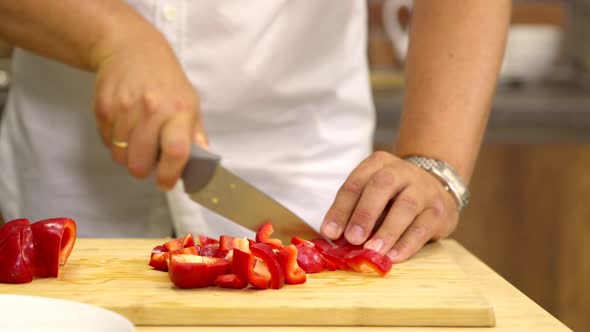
(104, 117)
(121, 133)
(200, 136)
(406, 206)
(175, 142)
(382, 186)
(349, 193)
(415, 236)
(144, 141)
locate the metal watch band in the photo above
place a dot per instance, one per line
(449, 177)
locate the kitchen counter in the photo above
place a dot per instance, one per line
(514, 311)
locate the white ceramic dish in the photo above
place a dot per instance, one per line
(32, 314)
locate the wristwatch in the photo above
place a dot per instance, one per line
(447, 175)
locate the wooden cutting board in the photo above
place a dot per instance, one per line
(428, 290)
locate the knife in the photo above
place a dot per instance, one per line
(211, 185)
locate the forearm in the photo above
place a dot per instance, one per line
(78, 33)
(453, 61)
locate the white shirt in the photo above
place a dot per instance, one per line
(285, 101)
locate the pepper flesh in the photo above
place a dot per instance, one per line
(309, 259)
(366, 260)
(55, 238)
(294, 274)
(263, 236)
(259, 277)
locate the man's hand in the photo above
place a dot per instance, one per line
(144, 101)
(402, 204)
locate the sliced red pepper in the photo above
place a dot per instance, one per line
(206, 241)
(297, 240)
(212, 251)
(321, 245)
(13, 225)
(159, 258)
(191, 271)
(294, 274)
(366, 260)
(267, 272)
(242, 263)
(55, 238)
(230, 281)
(226, 242)
(215, 268)
(14, 269)
(263, 236)
(334, 258)
(309, 259)
(181, 242)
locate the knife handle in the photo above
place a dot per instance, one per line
(199, 169)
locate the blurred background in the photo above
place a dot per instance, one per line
(529, 217)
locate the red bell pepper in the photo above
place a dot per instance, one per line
(191, 271)
(230, 281)
(159, 258)
(294, 274)
(226, 242)
(321, 245)
(309, 259)
(263, 236)
(206, 241)
(366, 260)
(181, 242)
(212, 251)
(242, 263)
(55, 238)
(267, 271)
(14, 268)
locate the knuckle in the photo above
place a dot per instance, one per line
(383, 178)
(409, 202)
(103, 109)
(362, 215)
(176, 150)
(438, 206)
(352, 186)
(125, 104)
(150, 104)
(419, 231)
(338, 214)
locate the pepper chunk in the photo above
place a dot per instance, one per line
(267, 271)
(230, 281)
(309, 259)
(55, 238)
(366, 260)
(192, 271)
(294, 274)
(263, 236)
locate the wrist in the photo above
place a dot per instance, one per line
(451, 180)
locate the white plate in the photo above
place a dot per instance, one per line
(32, 314)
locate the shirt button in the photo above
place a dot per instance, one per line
(169, 13)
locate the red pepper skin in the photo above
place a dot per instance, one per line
(263, 236)
(55, 239)
(187, 271)
(334, 258)
(16, 224)
(191, 271)
(206, 241)
(159, 258)
(212, 251)
(259, 278)
(13, 267)
(309, 259)
(242, 263)
(321, 245)
(366, 260)
(230, 281)
(215, 268)
(294, 274)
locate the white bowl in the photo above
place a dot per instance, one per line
(32, 314)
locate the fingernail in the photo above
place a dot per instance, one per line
(356, 234)
(375, 244)
(331, 229)
(392, 254)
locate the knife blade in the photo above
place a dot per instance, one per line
(211, 185)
